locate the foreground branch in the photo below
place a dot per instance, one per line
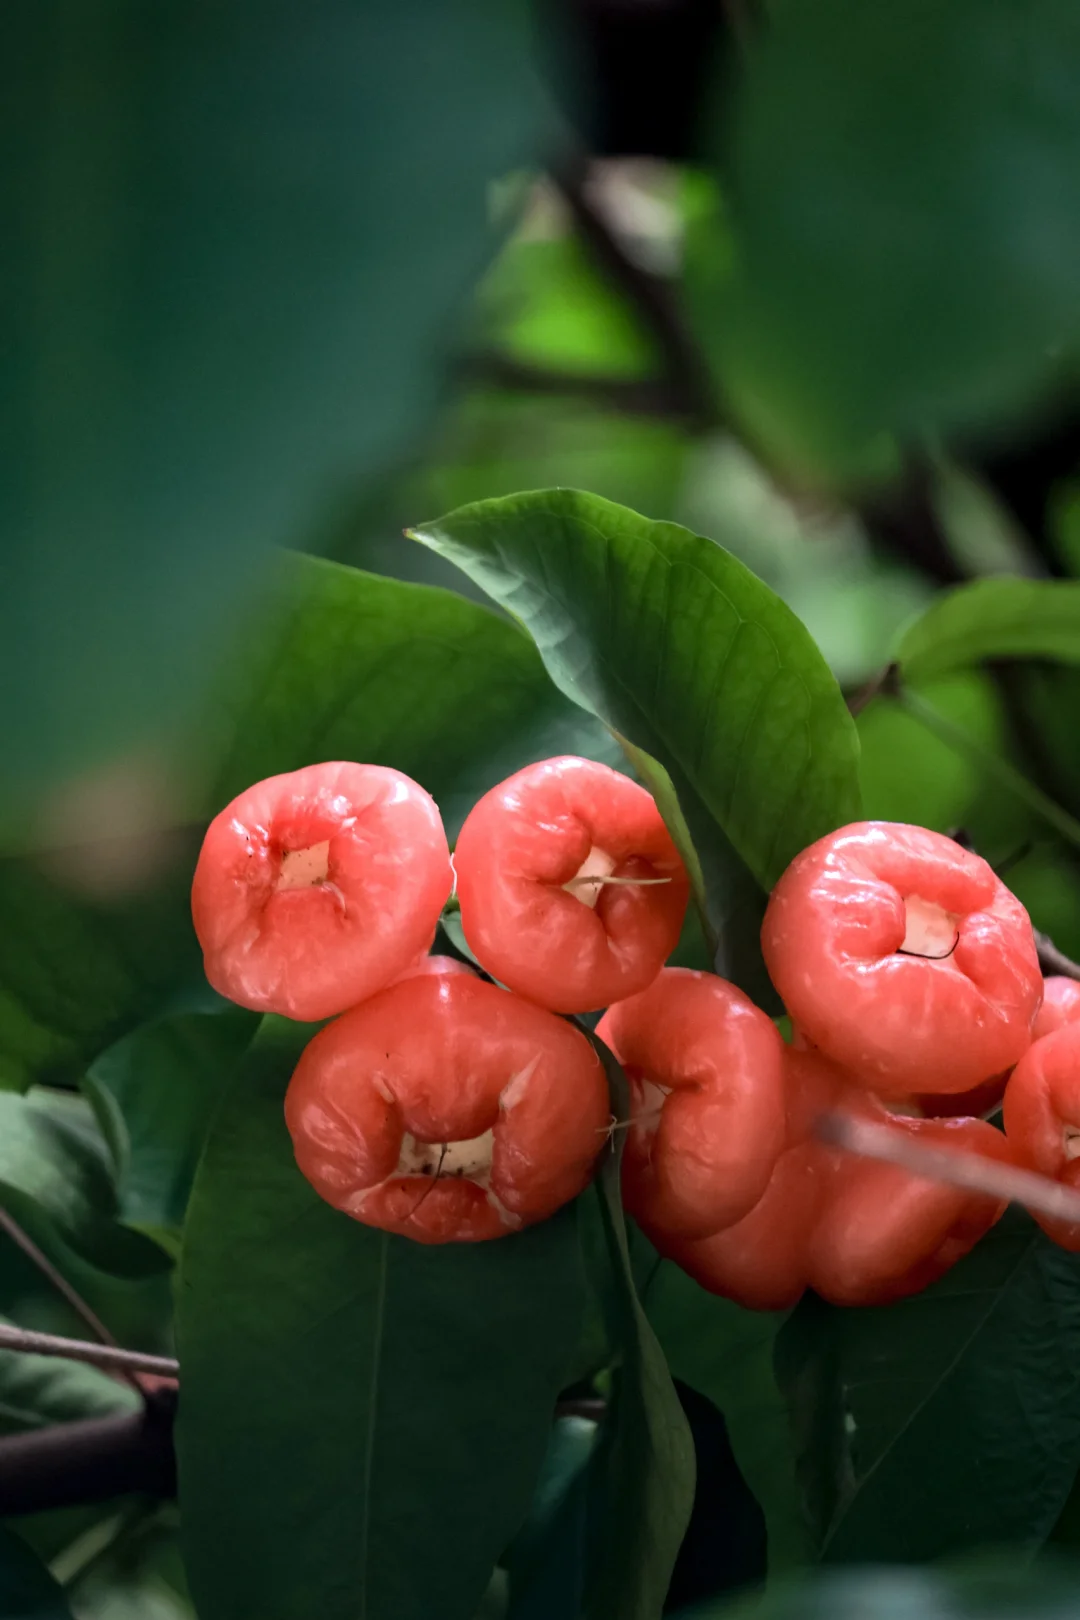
(108, 1356)
(38, 1258)
(1052, 961)
(967, 1170)
(69, 1464)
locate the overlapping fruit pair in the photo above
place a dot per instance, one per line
(445, 1107)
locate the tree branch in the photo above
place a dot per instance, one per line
(108, 1356)
(886, 683)
(903, 519)
(70, 1294)
(69, 1464)
(645, 396)
(1007, 1182)
(1053, 961)
(651, 297)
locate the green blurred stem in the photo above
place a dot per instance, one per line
(992, 766)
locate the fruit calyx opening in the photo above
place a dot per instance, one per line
(930, 930)
(596, 873)
(469, 1159)
(588, 880)
(304, 868)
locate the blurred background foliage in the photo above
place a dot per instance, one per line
(802, 275)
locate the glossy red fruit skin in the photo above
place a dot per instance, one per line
(528, 837)
(439, 966)
(761, 1261)
(902, 1024)
(1060, 1006)
(883, 1234)
(445, 1058)
(309, 952)
(1041, 1113)
(856, 1231)
(974, 1104)
(701, 1156)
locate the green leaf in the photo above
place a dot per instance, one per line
(994, 1588)
(662, 788)
(52, 1152)
(646, 1462)
(546, 303)
(909, 774)
(155, 1093)
(677, 647)
(500, 441)
(331, 664)
(907, 264)
(364, 1418)
(945, 1422)
(77, 969)
(549, 1557)
(994, 618)
(241, 249)
(27, 1590)
(726, 1354)
(345, 665)
(56, 1181)
(139, 1575)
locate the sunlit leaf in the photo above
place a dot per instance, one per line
(677, 647)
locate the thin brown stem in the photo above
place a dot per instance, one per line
(626, 1124)
(432, 1183)
(38, 1258)
(627, 882)
(109, 1356)
(886, 683)
(650, 296)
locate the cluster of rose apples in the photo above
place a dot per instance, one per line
(446, 1107)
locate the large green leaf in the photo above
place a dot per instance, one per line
(332, 664)
(27, 1590)
(677, 647)
(155, 1093)
(646, 1463)
(994, 618)
(364, 1418)
(907, 219)
(726, 1353)
(343, 664)
(946, 1422)
(76, 970)
(236, 240)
